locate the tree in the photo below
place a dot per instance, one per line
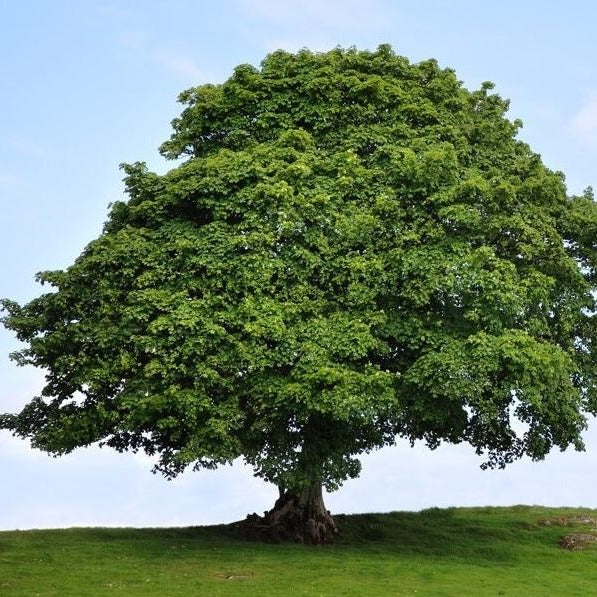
(354, 249)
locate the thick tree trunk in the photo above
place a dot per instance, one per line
(296, 516)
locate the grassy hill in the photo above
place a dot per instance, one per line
(456, 552)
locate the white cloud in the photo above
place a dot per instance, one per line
(24, 146)
(179, 64)
(7, 179)
(314, 43)
(132, 39)
(365, 16)
(584, 123)
(174, 61)
(112, 10)
(319, 25)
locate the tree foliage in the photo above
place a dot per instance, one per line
(354, 248)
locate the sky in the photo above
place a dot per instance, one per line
(88, 84)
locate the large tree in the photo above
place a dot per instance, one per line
(353, 249)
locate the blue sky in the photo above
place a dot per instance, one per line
(88, 84)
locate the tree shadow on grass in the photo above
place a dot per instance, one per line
(484, 536)
(450, 533)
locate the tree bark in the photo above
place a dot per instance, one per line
(296, 516)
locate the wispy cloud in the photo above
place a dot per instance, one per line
(8, 179)
(584, 123)
(179, 63)
(13, 447)
(132, 39)
(174, 61)
(317, 24)
(112, 10)
(319, 14)
(316, 43)
(24, 146)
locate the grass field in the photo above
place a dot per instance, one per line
(456, 552)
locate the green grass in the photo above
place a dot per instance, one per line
(456, 552)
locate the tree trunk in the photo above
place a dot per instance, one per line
(296, 516)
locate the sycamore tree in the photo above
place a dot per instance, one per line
(351, 249)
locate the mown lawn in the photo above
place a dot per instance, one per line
(458, 551)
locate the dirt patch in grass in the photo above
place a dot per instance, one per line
(235, 576)
(569, 521)
(577, 541)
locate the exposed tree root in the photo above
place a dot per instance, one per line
(298, 517)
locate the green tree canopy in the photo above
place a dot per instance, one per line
(355, 248)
